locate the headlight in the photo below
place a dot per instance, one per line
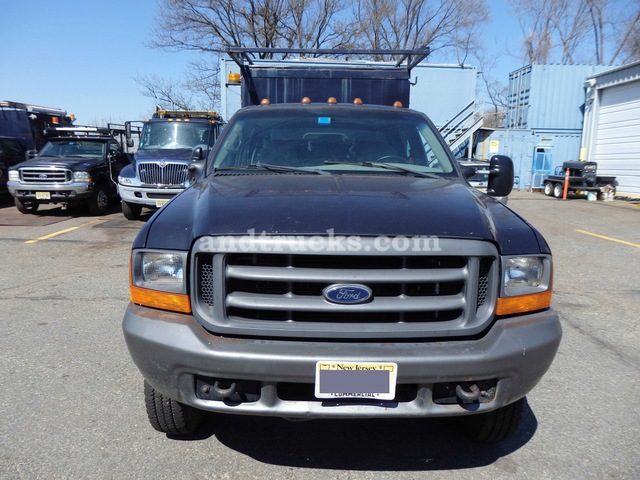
(158, 280)
(81, 177)
(162, 268)
(125, 180)
(526, 284)
(14, 176)
(523, 272)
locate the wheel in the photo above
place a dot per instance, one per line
(557, 190)
(26, 207)
(99, 201)
(131, 210)
(495, 426)
(168, 416)
(548, 189)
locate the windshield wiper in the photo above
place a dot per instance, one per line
(275, 168)
(387, 166)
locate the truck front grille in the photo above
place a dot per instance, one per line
(163, 173)
(423, 294)
(44, 175)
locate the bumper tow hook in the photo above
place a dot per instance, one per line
(468, 396)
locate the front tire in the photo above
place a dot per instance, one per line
(26, 207)
(99, 201)
(168, 416)
(495, 426)
(131, 211)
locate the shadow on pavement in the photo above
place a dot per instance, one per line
(362, 445)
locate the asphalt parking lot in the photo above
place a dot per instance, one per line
(72, 402)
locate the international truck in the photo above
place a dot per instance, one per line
(169, 143)
(331, 261)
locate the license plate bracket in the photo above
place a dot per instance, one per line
(365, 380)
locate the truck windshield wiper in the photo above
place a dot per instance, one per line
(276, 168)
(387, 166)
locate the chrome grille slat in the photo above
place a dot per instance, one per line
(334, 275)
(171, 174)
(318, 304)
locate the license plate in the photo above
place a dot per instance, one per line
(43, 196)
(160, 203)
(356, 380)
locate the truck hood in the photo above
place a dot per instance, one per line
(72, 163)
(363, 205)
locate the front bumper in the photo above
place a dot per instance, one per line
(149, 197)
(66, 192)
(173, 351)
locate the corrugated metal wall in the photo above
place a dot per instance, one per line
(521, 146)
(548, 96)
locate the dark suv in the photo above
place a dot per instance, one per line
(69, 170)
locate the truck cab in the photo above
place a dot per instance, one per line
(169, 143)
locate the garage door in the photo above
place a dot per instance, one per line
(618, 136)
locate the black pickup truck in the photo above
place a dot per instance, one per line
(77, 167)
(331, 261)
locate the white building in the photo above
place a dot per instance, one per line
(611, 129)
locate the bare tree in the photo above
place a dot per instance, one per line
(166, 93)
(571, 31)
(448, 26)
(496, 90)
(628, 38)
(212, 25)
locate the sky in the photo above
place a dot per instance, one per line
(83, 56)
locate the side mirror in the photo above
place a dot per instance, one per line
(195, 169)
(500, 176)
(197, 154)
(130, 142)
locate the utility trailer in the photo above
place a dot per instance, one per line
(583, 180)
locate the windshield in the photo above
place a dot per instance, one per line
(340, 139)
(73, 148)
(174, 135)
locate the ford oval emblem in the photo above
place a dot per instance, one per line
(347, 294)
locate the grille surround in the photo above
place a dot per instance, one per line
(163, 174)
(46, 175)
(428, 294)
